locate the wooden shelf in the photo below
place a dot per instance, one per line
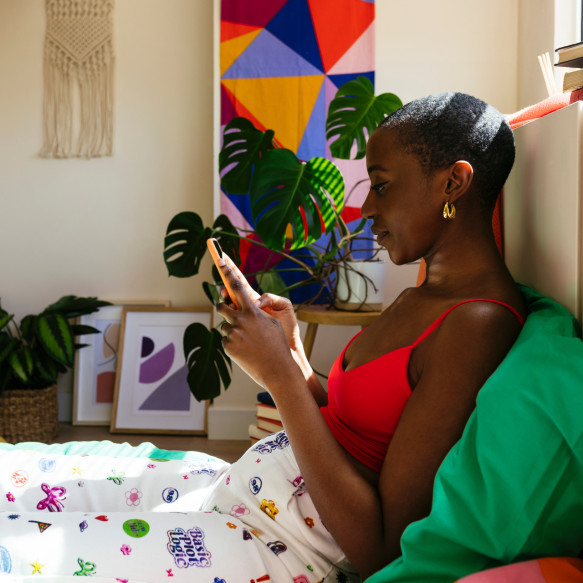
(322, 314)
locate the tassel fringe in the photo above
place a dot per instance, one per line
(78, 82)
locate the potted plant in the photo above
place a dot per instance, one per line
(293, 203)
(32, 356)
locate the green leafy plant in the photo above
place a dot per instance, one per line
(293, 203)
(34, 353)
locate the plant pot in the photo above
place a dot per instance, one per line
(29, 415)
(360, 286)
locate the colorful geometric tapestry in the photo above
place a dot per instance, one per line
(281, 63)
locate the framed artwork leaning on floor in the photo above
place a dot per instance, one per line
(151, 391)
(96, 363)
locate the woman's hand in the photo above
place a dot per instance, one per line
(283, 310)
(252, 337)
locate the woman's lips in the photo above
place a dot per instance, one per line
(380, 234)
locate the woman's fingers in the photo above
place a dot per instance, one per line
(274, 302)
(225, 328)
(238, 279)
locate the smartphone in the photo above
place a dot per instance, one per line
(217, 253)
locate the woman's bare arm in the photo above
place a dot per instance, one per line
(368, 522)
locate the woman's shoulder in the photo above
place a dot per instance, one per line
(483, 297)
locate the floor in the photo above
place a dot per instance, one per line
(228, 450)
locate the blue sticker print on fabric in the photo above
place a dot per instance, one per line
(255, 484)
(170, 495)
(195, 469)
(188, 548)
(5, 560)
(277, 547)
(47, 465)
(280, 442)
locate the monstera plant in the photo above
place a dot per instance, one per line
(293, 203)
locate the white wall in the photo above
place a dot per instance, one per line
(424, 47)
(96, 227)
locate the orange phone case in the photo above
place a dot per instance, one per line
(217, 253)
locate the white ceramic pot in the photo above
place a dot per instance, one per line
(361, 286)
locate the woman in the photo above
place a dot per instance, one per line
(436, 167)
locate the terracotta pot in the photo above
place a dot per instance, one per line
(29, 415)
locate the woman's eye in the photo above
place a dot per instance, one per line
(379, 187)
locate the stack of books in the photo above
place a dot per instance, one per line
(267, 418)
(571, 56)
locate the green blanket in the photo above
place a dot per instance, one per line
(512, 487)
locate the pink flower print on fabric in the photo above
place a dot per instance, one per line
(125, 549)
(133, 497)
(53, 499)
(239, 510)
(10, 497)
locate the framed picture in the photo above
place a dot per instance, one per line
(151, 392)
(96, 364)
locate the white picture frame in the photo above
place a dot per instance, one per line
(96, 364)
(151, 392)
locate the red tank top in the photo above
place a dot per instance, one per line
(365, 403)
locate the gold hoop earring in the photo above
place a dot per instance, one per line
(448, 213)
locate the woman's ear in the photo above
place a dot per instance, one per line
(458, 182)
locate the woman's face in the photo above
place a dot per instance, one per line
(403, 202)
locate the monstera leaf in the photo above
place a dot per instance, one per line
(271, 282)
(228, 237)
(354, 109)
(243, 147)
(208, 365)
(305, 195)
(185, 244)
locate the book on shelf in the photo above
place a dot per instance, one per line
(255, 433)
(570, 55)
(573, 80)
(267, 412)
(271, 425)
(265, 398)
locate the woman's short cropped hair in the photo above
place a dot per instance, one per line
(444, 128)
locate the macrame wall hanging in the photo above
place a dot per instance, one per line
(78, 79)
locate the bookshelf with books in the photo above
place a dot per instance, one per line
(267, 418)
(571, 56)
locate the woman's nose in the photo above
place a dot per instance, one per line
(367, 208)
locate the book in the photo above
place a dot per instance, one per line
(271, 425)
(573, 80)
(266, 398)
(570, 55)
(255, 434)
(267, 412)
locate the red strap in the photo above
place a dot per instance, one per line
(439, 320)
